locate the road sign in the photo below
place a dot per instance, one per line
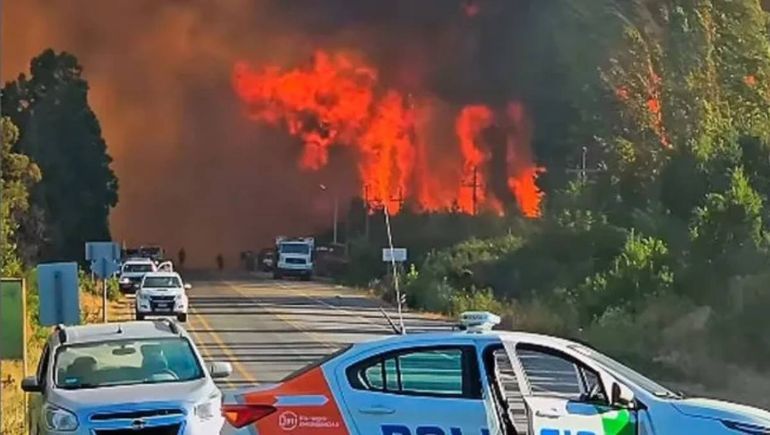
(59, 294)
(12, 319)
(396, 254)
(104, 267)
(99, 250)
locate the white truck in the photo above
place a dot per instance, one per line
(294, 257)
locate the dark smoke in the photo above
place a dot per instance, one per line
(193, 171)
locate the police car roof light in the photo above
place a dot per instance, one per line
(479, 321)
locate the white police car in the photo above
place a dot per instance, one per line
(479, 382)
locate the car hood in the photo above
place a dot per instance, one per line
(719, 410)
(177, 392)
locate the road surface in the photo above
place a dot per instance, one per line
(268, 328)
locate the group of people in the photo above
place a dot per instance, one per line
(220, 260)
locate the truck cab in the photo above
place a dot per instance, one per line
(294, 257)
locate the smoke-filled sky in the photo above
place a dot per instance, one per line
(194, 171)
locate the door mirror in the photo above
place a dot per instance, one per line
(30, 385)
(187, 286)
(220, 370)
(622, 396)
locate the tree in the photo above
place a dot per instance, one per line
(61, 133)
(19, 174)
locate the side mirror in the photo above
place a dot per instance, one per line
(220, 370)
(187, 286)
(30, 385)
(622, 396)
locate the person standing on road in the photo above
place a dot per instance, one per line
(182, 257)
(220, 262)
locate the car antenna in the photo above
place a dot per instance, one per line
(396, 329)
(120, 328)
(401, 329)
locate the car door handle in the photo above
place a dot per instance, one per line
(376, 410)
(548, 414)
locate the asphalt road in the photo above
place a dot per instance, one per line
(268, 329)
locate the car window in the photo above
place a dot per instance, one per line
(445, 372)
(552, 374)
(138, 268)
(161, 282)
(126, 362)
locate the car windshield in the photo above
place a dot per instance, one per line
(295, 248)
(137, 267)
(631, 375)
(161, 282)
(126, 362)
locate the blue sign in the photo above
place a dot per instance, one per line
(104, 258)
(59, 294)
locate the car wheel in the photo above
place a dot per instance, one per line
(182, 317)
(140, 316)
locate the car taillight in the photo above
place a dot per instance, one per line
(243, 415)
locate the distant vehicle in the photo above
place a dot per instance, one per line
(162, 294)
(132, 271)
(153, 252)
(126, 378)
(295, 257)
(480, 382)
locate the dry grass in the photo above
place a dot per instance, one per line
(11, 372)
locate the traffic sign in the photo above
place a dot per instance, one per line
(59, 294)
(104, 258)
(104, 268)
(395, 254)
(12, 319)
(98, 250)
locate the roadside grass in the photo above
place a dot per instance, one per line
(13, 399)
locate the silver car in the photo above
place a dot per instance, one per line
(143, 377)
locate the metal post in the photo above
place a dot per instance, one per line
(104, 290)
(336, 212)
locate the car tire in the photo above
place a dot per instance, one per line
(277, 275)
(140, 316)
(182, 317)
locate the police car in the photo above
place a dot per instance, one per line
(479, 382)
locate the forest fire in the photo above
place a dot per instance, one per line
(337, 99)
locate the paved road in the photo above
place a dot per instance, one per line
(267, 328)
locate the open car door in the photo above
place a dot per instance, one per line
(564, 395)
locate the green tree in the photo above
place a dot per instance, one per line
(641, 270)
(61, 133)
(19, 174)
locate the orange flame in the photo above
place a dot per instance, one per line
(336, 100)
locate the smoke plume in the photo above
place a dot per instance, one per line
(178, 86)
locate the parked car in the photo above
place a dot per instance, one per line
(119, 378)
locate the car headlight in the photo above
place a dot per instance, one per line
(59, 419)
(210, 408)
(124, 280)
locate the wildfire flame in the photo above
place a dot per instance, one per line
(337, 100)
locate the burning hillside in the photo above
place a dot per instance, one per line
(338, 100)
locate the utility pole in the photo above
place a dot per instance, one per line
(399, 199)
(366, 212)
(583, 170)
(324, 188)
(475, 185)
